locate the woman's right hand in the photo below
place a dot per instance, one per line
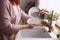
(29, 26)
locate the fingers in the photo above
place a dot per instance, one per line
(31, 25)
(43, 11)
(45, 23)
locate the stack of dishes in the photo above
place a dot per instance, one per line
(34, 12)
(34, 20)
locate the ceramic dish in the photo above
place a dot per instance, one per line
(34, 11)
(34, 20)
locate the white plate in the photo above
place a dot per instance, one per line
(34, 11)
(34, 20)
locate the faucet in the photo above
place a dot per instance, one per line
(50, 27)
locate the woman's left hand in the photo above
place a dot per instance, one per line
(45, 23)
(43, 11)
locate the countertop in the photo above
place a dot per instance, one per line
(36, 39)
(51, 34)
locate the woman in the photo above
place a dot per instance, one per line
(10, 15)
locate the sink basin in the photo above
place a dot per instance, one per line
(34, 33)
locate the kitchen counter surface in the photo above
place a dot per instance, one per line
(53, 37)
(36, 39)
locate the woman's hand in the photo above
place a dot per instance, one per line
(31, 25)
(43, 11)
(45, 23)
(27, 26)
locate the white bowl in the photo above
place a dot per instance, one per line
(34, 20)
(33, 11)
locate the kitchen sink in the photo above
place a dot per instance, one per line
(34, 33)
